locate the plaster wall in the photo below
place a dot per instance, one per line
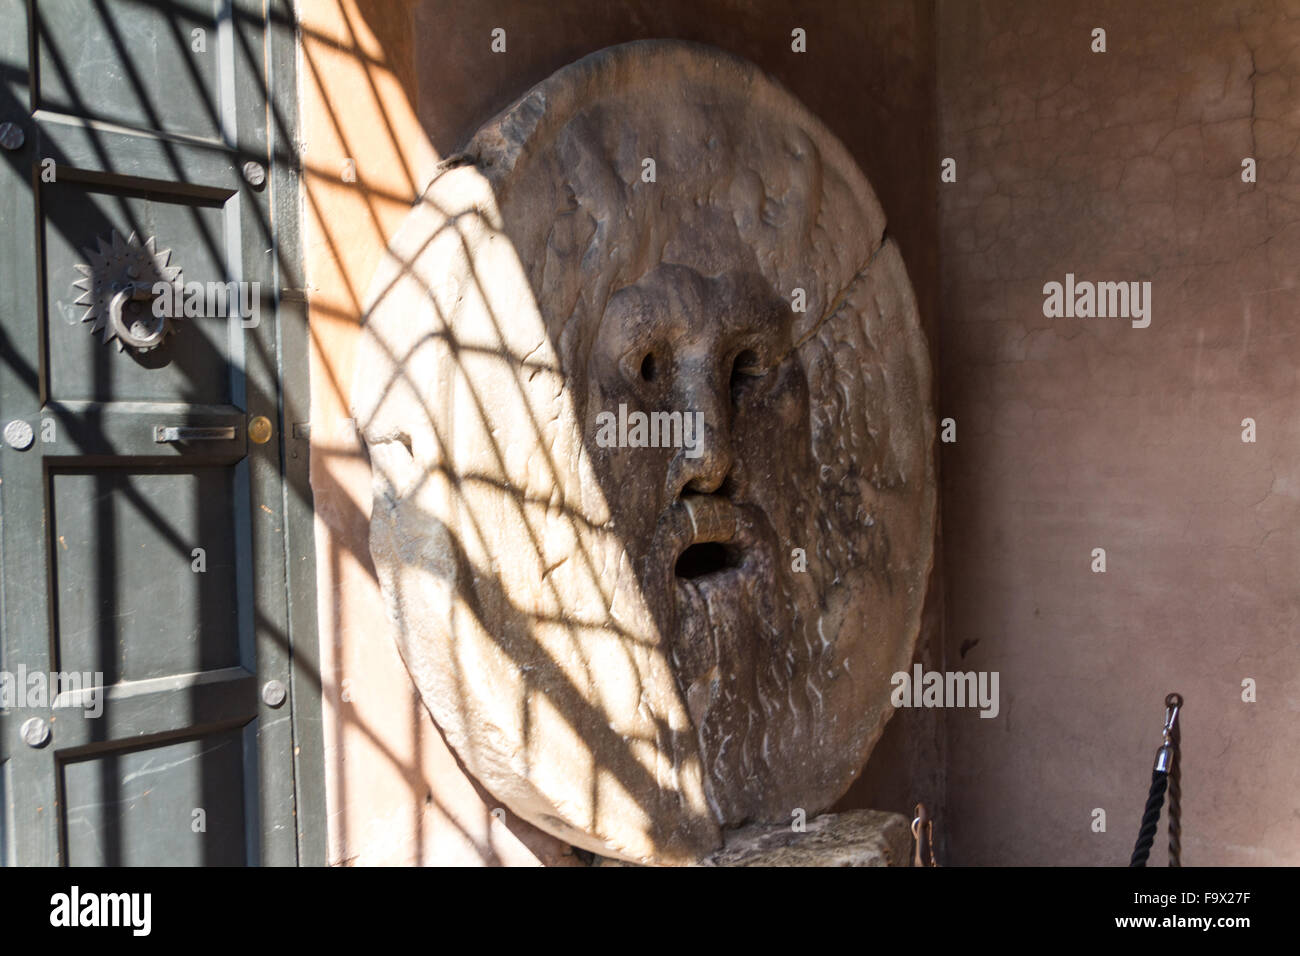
(1084, 433)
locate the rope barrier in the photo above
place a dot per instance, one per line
(1175, 795)
(1164, 776)
(1150, 818)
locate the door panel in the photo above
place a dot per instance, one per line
(131, 63)
(128, 600)
(76, 216)
(135, 547)
(157, 798)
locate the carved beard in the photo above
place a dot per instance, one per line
(753, 645)
(752, 640)
(737, 659)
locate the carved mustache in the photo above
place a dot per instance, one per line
(700, 519)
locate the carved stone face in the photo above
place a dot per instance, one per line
(706, 525)
(653, 539)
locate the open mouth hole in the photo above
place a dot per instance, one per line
(701, 559)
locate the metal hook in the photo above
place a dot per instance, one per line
(1173, 703)
(923, 844)
(1165, 755)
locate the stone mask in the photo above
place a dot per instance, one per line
(638, 630)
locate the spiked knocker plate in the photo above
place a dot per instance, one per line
(119, 287)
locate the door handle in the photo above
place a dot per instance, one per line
(123, 273)
(140, 336)
(167, 433)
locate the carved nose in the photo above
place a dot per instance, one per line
(704, 465)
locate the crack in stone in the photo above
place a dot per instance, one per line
(842, 296)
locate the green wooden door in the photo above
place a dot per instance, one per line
(144, 530)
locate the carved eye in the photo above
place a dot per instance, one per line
(649, 367)
(744, 367)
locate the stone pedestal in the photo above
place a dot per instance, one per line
(855, 838)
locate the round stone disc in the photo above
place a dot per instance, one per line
(648, 408)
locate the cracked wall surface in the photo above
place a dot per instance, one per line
(1083, 433)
